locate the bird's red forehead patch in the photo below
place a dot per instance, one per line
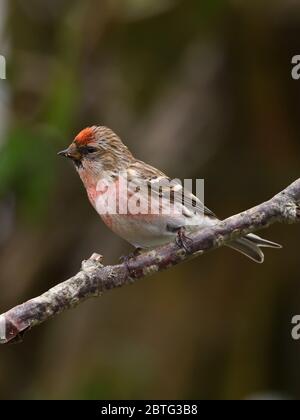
(85, 136)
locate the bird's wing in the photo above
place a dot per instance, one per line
(161, 185)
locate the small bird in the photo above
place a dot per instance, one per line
(139, 202)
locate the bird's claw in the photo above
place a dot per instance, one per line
(125, 259)
(183, 241)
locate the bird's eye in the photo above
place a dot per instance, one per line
(88, 149)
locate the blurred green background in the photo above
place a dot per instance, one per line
(201, 89)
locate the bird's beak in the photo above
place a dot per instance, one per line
(63, 153)
(71, 152)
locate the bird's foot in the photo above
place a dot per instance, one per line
(124, 259)
(183, 241)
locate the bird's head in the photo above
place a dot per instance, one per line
(98, 149)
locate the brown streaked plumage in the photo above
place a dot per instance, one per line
(102, 161)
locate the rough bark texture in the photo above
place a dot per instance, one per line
(95, 278)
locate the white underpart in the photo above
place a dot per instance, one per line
(145, 230)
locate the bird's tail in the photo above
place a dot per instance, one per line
(250, 246)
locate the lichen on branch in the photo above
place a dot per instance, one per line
(94, 278)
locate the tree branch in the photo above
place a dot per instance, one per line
(94, 278)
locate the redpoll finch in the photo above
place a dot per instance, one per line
(137, 201)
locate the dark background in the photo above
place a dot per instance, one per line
(201, 89)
